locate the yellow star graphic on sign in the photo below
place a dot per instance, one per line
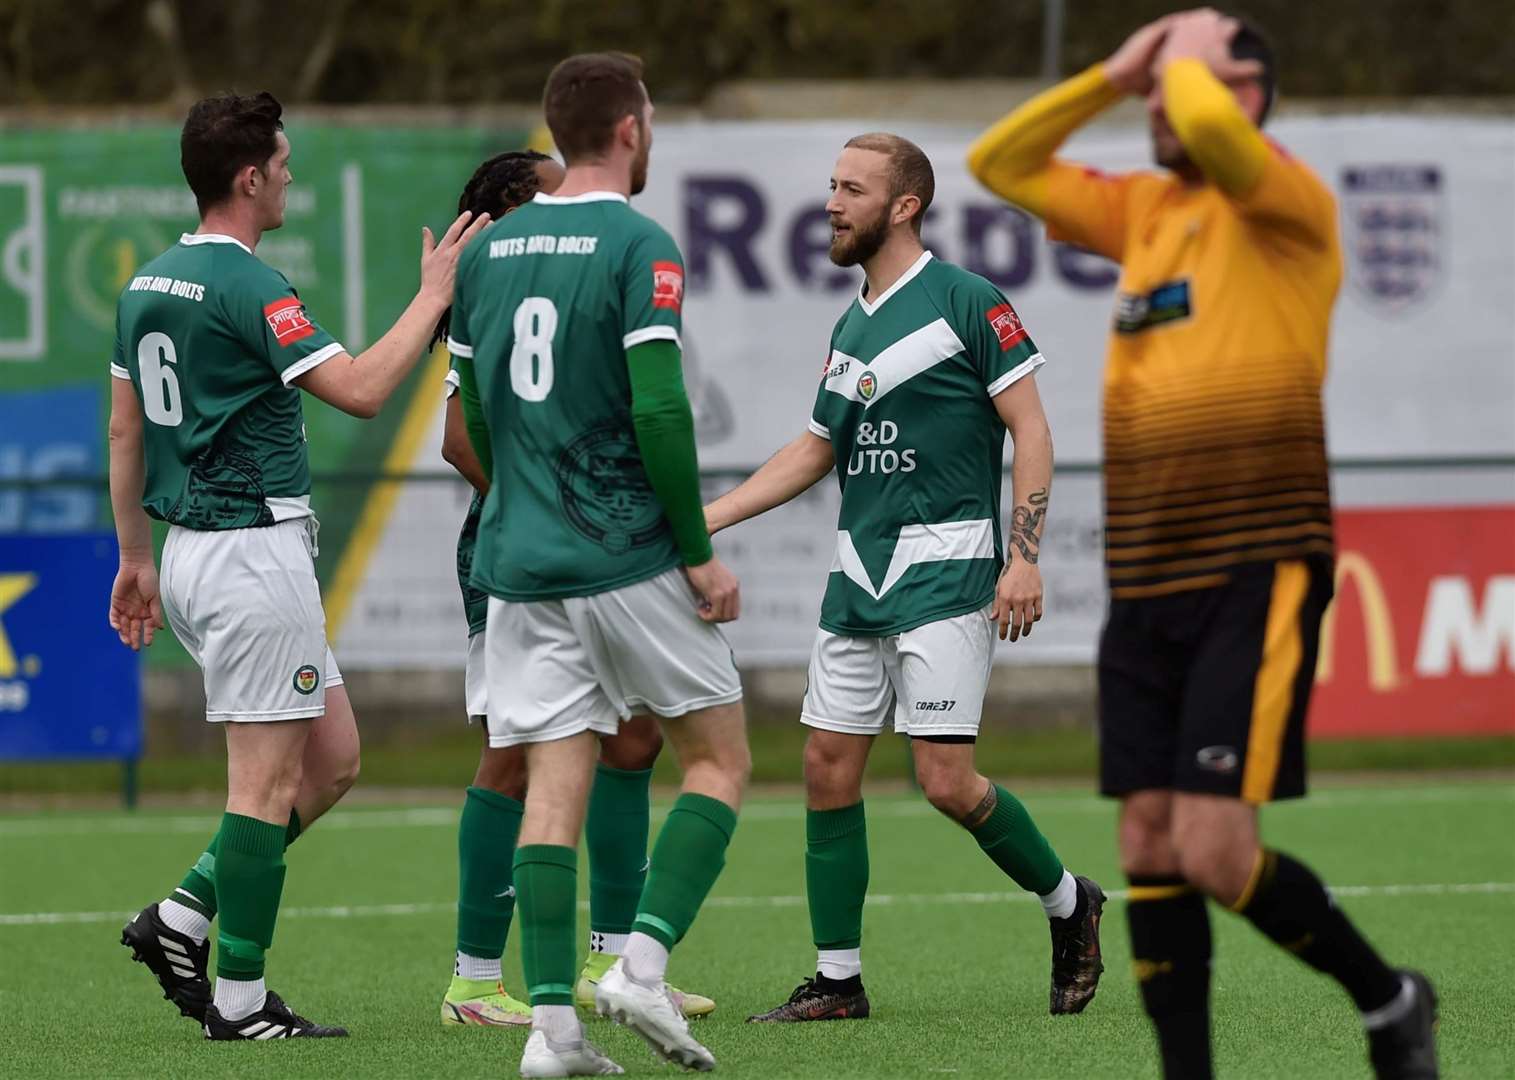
(12, 588)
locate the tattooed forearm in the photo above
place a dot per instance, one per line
(1026, 526)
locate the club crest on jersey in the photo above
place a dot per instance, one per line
(667, 285)
(307, 679)
(604, 492)
(867, 385)
(1007, 325)
(1392, 218)
(287, 319)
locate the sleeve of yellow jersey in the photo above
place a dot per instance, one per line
(1265, 184)
(1014, 159)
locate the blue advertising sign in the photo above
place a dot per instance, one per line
(68, 687)
(46, 434)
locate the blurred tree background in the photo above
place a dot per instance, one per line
(145, 52)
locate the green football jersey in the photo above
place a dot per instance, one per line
(475, 600)
(211, 338)
(548, 300)
(905, 402)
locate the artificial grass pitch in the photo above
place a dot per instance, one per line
(955, 958)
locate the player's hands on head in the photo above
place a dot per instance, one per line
(439, 258)
(1205, 34)
(1129, 68)
(720, 592)
(1017, 599)
(135, 610)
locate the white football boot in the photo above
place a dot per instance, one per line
(652, 1013)
(543, 1057)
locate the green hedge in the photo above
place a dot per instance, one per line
(467, 51)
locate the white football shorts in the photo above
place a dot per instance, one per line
(555, 668)
(475, 689)
(246, 606)
(932, 679)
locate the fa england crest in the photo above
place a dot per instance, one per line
(1392, 218)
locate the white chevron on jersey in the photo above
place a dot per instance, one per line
(917, 544)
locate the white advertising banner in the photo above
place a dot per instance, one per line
(1422, 361)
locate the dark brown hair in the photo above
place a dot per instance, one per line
(910, 170)
(222, 136)
(1250, 43)
(587, 96)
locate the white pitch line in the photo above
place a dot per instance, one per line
(888, 807)
(360, 911)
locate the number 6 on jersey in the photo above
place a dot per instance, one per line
(160, 386)
(536, 321)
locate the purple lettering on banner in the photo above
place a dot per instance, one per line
(1083, 269)
(809, 247)
(1008, 269)
(722, 213)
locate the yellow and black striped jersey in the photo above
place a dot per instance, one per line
(1214, 439)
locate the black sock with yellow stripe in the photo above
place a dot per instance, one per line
(1170, 950)
(1292, 906)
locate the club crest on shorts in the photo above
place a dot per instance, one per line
(307, 679)
(1391, 216)
(867, 385)
(1218, 759)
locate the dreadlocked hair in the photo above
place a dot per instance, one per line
(496, 187)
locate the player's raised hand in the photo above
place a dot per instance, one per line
(439, 258)
(1129, 68)
(1017, 599)
(135, 610)
(719, 591)
(1205, 34)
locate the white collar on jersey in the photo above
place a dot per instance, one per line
(212, 238)
(900, 282)
(573, 200)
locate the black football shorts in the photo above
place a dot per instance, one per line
(1206, 691)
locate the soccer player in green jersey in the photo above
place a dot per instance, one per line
(926, 371)
(618, 820)
(603, 588)
(213, 347)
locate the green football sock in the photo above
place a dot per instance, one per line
(1012, 840)
(836, 875)
(249, 880)
(487, 834)
(198, 889)
(546, 878)
(690, 852)
(616, 834)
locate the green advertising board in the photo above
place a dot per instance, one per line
(82, 207)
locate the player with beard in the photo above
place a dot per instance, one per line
(1218, 510)
(604, 591)
(926, 371)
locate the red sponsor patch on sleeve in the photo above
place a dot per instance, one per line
(1007, 326)
(286, 318)
(668, 286)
